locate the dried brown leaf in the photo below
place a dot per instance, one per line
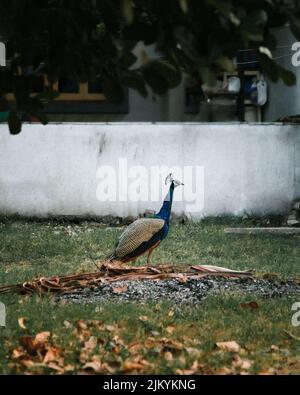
(170, 329)
(42, 337)
(81, 325)
(91, 343)
(52, 355)
(67, 324)
(143, 318)
(136, 365)
(54, 366)
(250, 305)
(21, 322)
(111, 328)
(30, 345)
(223, 371)
(135, 348)
(18, 353)
(193, 352)
(95, 365)
(187, 372)
(230, 346)
(28, 363)
(244, 364)
(274, 348)
(168, 356)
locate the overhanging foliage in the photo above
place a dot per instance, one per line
(89, 39)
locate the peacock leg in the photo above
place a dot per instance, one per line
(149, 256)
(134, 260)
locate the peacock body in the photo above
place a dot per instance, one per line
(145, 234)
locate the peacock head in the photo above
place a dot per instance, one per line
(171, 180)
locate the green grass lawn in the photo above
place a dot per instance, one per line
(145, 338)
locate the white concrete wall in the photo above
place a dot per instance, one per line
(52, 170)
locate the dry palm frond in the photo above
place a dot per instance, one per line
(110, 272)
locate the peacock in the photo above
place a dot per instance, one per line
(145, 234)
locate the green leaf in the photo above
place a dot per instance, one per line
(295, 30)
(252, 33)
(14, 123)
(154, 80)
(46, 97)
(269, 67)
(184, 6)
(294, 20)
(257, 18)
(208, 77)
(134, 80)
(225, 63)
(287, 76)
(113, 89)
(128, 11)
(187, 42)
(127, 60)
(294, 23)
(161, 76)
(167, 71)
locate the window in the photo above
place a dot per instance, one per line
(76, 98)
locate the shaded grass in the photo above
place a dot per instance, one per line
(29, 249)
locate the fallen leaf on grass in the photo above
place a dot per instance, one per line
(193, 352)
(268, 372)
(274, 348)
(168, 356)
(155, 333)
(30, 345)
(90, 344)
(21, 322)
(244, 364)
(188, 372)
(223, 371)
(143, 318)
(170, 329)
(69, 368)
(111, 328)
(52, 355)
(230, 346)
(181, 360)
(81, 325)
(54, 366)
(250, 305)
(28, 363)
(17, 353)
(94, 365)
(67, 324)
(42, 337)
(137, 364)
(135, 348)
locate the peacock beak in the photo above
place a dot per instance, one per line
(177, 183)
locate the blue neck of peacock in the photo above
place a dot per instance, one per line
(165, 210)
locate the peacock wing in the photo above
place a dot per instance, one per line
(137, 233)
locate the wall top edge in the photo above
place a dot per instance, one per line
(166, 123)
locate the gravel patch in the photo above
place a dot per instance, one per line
(190, 292)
